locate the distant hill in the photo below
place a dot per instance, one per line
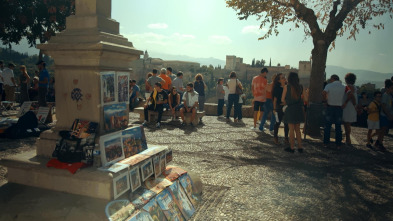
(363, 76)
(203, 61)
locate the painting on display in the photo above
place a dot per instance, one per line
(162, 162)
(156, 164)
(181, 200)
(123, 87)
(111, 149)
(135, 178)
(108, 88)
(134, 141)
(115, 116)
(83, 128)
(154, 209)
(24, 108)
(147, 169)
(141, 197)
(141, 216)
(168, 206)
(42, 114)
(121, 184)
(189, 188)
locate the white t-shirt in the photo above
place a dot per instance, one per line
(192, 98)
(335, 93)
(7, 75)
(226, 89)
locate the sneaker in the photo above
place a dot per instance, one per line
(158, 125)
(253, 128)
(144, 123)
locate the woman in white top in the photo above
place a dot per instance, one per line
(233, 98)
(350, 102)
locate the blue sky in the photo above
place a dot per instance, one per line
(207, 28)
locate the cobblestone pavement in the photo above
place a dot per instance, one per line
(247, 177)
(261, 181)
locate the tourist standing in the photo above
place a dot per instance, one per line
(258, 88)
(333, 96)
(9, 82)
(43, 83)
(373, 110)
(152, 80)
(170, 74)
(24, 82)
(294, 113)
(199, 87)
(220, 93)
(233, 97)
(167, 80)
(148, 88)
(268, 108)
(178, 83)
(134, 94)
(278, 86)
(1, 80)
(157, 99)
(350, 102)
(386, 115)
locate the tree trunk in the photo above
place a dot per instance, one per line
(314, 115)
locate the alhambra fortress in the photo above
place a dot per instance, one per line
(244, 71)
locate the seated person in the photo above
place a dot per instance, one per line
(33, 90)
(190, 102)
(134, 93)
(174, 101)
(157, 99)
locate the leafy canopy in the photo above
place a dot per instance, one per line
(33, 19)
(321, 19)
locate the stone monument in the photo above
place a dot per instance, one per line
(89, 45)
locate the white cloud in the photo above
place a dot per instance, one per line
(253, 29)
(178, 36)
(158, 26)
(220, 39)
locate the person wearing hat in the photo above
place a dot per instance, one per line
(9, 82)
(43, 83)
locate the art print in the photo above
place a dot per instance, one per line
(162, 162)
(147, 169)
(108, 88)
(24, 108)
(135, 178)
(157, 185)
(172, 173)
(123, 87)
(141, 216)
(42, 114)
(121, 184)
(182, 201)
(154, 210)
(189, 188)
(134, 141)
(111, 149)
(168, 206)
(115, 116)
(168, 157)
(156, 164)
(141, 197)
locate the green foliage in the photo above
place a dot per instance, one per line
(33, 19)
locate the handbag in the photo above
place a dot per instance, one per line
(239, 90)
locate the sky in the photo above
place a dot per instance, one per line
(207, 28)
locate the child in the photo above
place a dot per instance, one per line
(373, 110)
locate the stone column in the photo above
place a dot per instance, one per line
(90, 44)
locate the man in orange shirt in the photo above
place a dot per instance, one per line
(168, 82)
(258, 88)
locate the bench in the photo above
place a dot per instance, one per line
(153, 115)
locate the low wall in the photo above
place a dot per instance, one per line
(211, 110)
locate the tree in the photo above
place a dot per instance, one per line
(258, 64)
(253, 63)
(263, 62)
(323, 21)
(33, 20)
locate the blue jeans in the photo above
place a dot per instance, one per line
(220, 107)
(233, 99)
(334, 115)
(268, 108)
